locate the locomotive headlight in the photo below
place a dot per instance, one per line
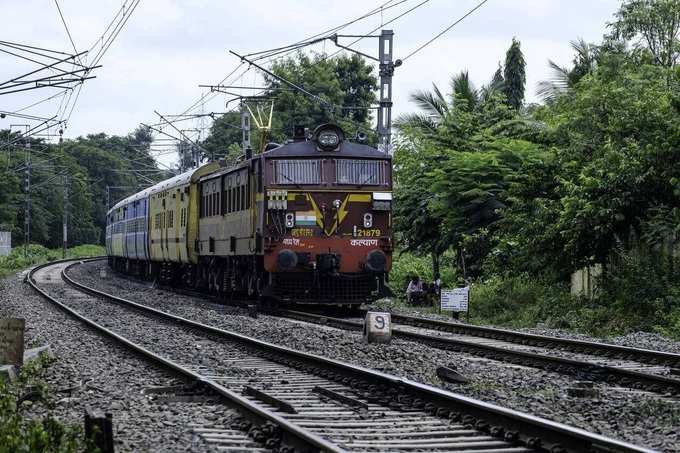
(336, 204)
(290, 220)
(368, 220)
(328, 139)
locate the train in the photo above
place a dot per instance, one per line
(305, 222)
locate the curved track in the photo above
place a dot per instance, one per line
(311, 402)
(586, 364)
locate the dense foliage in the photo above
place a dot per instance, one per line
(88, 165)
(526, 195)
(21, 258)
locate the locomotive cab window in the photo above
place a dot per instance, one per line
(362, 172)
(297, 171)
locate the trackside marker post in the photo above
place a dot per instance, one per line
(12, 341)
(377, 327)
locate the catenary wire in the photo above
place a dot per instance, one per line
(421, 47)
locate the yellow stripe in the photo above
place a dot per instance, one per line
(360, 198)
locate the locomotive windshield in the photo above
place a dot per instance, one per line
(290, 171)
(356, 172)
(361, 172)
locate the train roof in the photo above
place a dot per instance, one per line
(300, 149)
(181, 179)
(308, 148)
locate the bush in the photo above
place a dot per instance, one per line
(640, 290)
(523, 301)
(18, 259)
(18, 433)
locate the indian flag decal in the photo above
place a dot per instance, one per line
(305, 218)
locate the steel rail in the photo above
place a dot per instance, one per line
(295, 435)
(592, 371)
(519, 428)
(582, 346)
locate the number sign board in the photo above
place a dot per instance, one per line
(377, 327)
(455, 299)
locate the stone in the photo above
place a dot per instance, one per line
(377, 327)
(8, 373)
(583, 389)
(448, 373)
(12, 341)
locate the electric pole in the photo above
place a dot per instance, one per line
(27, 207)
(65, 218)
(386, 71)
(108, 198)
(245, 128)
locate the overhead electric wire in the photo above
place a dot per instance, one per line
(62, 93)
(106, 44)
(105, 47)
(330, 31)
(408, 11)
(421, 47)
(68, 32)
(113, 20)
(325, 32)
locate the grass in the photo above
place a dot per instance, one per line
(38, 254)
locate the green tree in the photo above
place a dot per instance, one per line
(653, 24)
(451, 173)
(514, 75)
(91, 163)
(615, 173)
(345, 88)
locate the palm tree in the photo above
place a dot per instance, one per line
(563, 79)
(434, 105)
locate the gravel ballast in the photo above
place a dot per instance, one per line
(641, 418)
(97, 372)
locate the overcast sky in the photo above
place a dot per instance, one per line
(170, 47)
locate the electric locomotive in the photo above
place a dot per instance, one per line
(308, 222)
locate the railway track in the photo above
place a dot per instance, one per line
(291, 399)
(617, 365)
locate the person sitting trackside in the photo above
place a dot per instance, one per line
(414, 291)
